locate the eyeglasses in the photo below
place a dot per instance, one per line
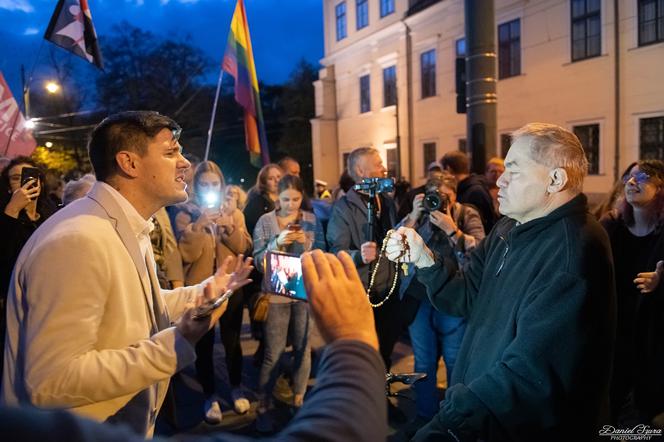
(639, 178)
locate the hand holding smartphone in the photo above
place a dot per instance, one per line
(283, 275)
(206, 309)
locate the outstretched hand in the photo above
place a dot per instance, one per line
(237, 278)
(338, 300)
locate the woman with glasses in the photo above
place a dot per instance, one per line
(636, 231)
(25, 206)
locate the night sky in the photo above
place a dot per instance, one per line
(282, 31)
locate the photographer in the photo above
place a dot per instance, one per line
(208, 232)
(293, 230)
(348, 230)
(450, 229)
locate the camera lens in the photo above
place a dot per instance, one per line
(432, 201)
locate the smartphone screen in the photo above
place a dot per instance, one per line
(283, 275)
(29, 173)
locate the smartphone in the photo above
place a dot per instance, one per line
(283, 275)
(294, 227)
(29, 173)
(207, 308)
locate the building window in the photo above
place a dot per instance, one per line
(460, 47)
(651, 21)
(391, 157)
(365, 94)
(461, 144)
(589, 136)
(651, 138)
(505, 144)
(340, 11)
(586, 29)
(362, 13)
(429, 155)
(390, 86)
(428, 68)
(509, 49)
(386, 7)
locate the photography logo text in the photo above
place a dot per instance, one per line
(638, 432)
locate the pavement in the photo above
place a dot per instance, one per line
(183, 419)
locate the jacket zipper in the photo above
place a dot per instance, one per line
(504, 258)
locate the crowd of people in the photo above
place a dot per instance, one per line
(548, 318)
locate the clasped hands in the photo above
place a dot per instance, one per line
(404, 245)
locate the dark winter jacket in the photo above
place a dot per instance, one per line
(475, 190)
(536, 358)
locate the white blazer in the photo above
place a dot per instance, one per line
(83, 329)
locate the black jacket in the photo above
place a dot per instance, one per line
(475, 190)
(536, 358)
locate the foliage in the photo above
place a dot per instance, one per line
(59, 160)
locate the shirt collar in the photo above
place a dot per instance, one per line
(137, 223)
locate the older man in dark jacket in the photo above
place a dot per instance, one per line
(539, 298)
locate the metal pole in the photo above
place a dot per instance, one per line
(26, 94)
(214, 113)
(481, 98)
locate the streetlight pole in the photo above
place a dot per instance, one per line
(481, 101)
(26, 94)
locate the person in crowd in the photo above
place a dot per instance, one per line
(55, 185)
(346, 404)
(290, 166)
(263, 195)
(322, 191)
(25, 207)
(75, 189)
(292, 230)
(453, 231)
(236, 198)
(348, 230)
(166, 253)
(208, 233)
(617, 192)
(344, 185)
(539, 300)
(493, 170)
(472, 189)
(262, 198)
(636, 231)
(88, 327)
(433, 171)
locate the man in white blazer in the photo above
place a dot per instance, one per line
(88, 327)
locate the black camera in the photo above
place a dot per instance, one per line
(375, 185)
(435, 200)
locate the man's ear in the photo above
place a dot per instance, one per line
(557, 180)
(127, 163)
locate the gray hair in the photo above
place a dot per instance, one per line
(354, 158)
(76, 189)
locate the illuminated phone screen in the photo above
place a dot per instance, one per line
(283, 275)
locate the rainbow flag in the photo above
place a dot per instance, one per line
(239, 62)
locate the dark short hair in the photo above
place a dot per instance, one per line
(131, 131)
(291, 182)
(456, 162)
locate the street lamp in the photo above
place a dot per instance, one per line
(52, 87)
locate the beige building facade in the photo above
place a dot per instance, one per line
(557, 63)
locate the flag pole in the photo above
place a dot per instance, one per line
(214, 114)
